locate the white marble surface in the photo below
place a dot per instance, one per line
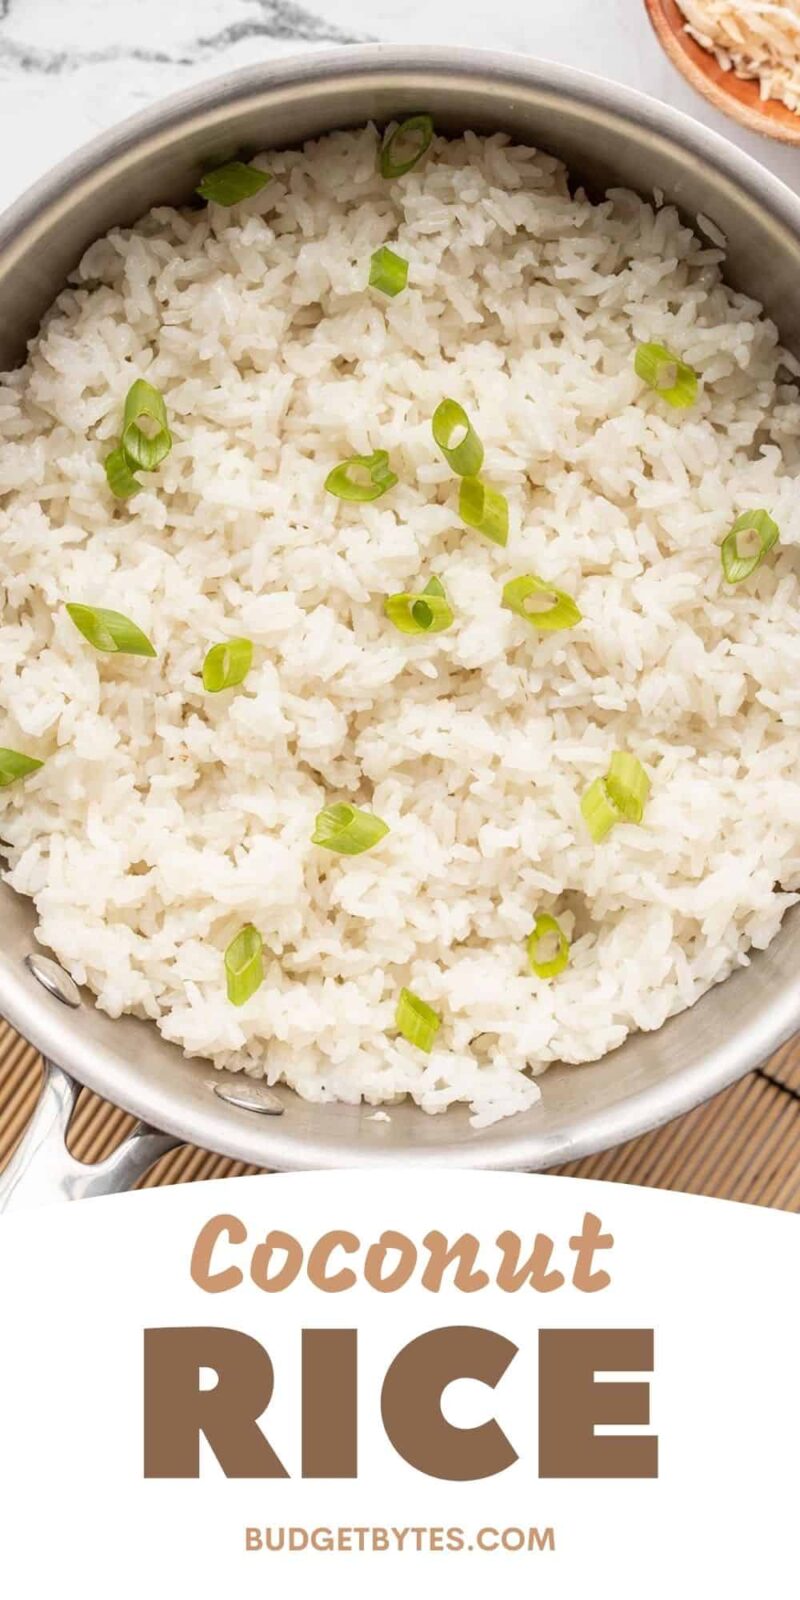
(69, 68)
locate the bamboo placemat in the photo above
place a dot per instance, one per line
(743, 1145)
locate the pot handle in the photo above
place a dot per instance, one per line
(42, 1169)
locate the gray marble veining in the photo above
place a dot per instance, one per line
(272, 21)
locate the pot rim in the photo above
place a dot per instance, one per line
(207, 102)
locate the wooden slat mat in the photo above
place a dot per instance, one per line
(743, 1145)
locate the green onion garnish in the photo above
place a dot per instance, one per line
(672, 378)
(244, 964)
(618, 797)
(425, 613)
(347, 830)
(110, 631)
(145, 451)
(387, 271)
(627, 785)
(598, 812)
(227, 185)
(346, 486)
(14, 765)
(457, 439)
(227, 664)
(120, 477)
(744, 548)
(417, 1022)
(483, 508)
(541, 604)
(548, 948)
(405, 147)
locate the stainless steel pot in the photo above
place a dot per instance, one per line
(607, 135)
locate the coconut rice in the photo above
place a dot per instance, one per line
(164, 818)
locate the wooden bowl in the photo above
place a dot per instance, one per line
(736, 97)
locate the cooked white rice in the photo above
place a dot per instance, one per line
(164, 818)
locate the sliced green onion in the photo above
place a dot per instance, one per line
(459, 443)
(110, 631)
(121, 480)
(14, 765)
(425, 613)
(417, 1022)
(145, 451)
(346, 486)
(416, 133)
(548, 948)
(541, 604)
(483, 508)
(743, 549)
(387, 271)
(618, 797)
(233, 182)
(347, 830)
(227, 664)
(627, 785)
(244, 964)
(597, 810)
(672, 378)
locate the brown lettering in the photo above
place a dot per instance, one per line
(319, 1258)
(330, 1406)
(412, 1411)
(177, 1410)
(511, 1276)
(200, 1269)
(590, 1238)
(376, 1257)
(262, 1258)
(442, 1253)
(572, 1404)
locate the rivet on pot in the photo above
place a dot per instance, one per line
(54, 979)
(248, 1095)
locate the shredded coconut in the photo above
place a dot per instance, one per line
(754, 39)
